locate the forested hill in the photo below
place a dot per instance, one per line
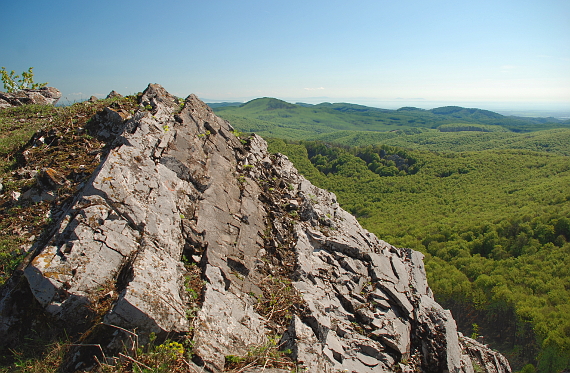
(263, 114)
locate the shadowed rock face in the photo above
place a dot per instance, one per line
(181, 184)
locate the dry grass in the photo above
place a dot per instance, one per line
(280, 301)
(268, 355)
(36, 357)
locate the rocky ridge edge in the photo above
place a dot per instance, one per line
(42, 96)
(180, 183)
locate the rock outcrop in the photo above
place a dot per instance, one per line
(481, 357)
(42, 96)
(278, 259)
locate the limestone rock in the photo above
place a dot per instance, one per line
(113, 94)
(278, 257)
(108, 124)
(42, 96)
(483, 357)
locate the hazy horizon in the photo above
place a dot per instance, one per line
(557, 110)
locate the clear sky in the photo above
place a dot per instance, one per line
(426, 53)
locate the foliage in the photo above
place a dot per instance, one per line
(13, 82)
(552, 141)
(528, 368)
(459, 127)
(37, 357)
(215, 105)
(268, 355)
(169, 356)
(382, 160)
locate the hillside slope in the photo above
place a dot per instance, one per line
(551, 141)
(270, 117)
(494, 202)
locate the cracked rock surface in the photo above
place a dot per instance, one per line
(277, 256)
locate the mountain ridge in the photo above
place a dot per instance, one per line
(259, 114)
(345, 106)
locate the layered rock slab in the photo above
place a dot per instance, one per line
(42, 96)
(179, 182)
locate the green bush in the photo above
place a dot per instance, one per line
(13, 82)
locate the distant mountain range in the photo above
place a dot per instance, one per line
(257, 114)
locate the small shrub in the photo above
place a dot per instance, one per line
(475, 333)
(13, 82)
(233, 359)
(529, 368)
(267, 355)
(173, 348)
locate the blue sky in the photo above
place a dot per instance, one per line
(426, 53)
